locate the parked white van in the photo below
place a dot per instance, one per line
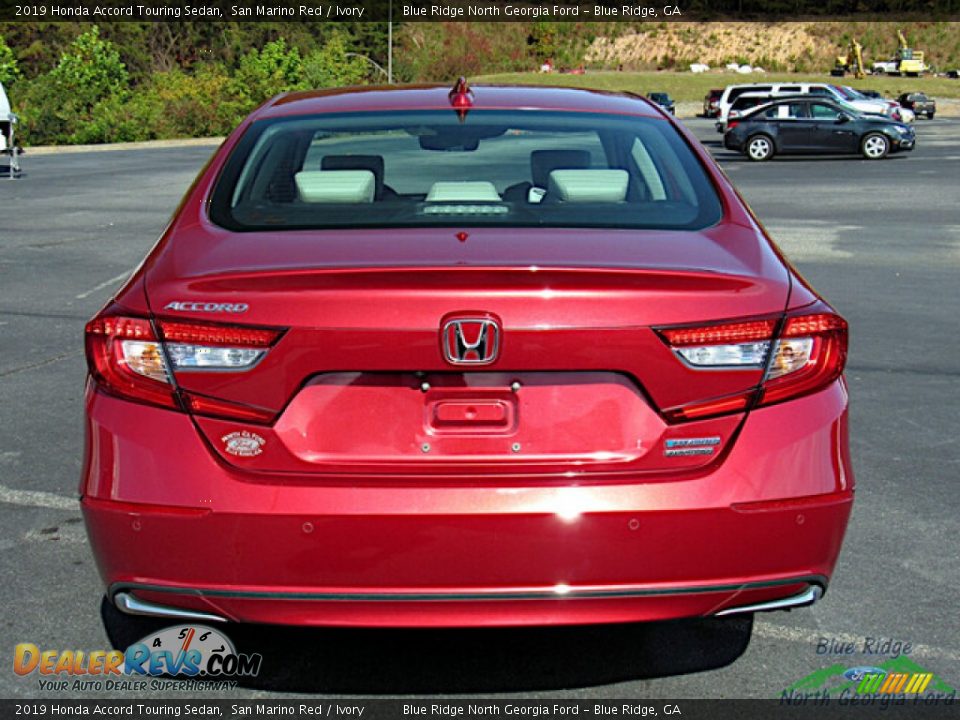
(732, 92)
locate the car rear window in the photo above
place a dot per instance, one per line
(429, 168)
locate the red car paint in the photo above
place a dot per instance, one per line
(354, 476)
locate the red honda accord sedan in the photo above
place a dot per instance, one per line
(492, 356)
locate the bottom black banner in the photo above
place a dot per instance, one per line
(543, 709)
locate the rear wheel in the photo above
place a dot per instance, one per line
(875, 146)
(760, 148)
(930, 115)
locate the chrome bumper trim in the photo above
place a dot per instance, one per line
(127, 603)
(807, 597)
(558, 592)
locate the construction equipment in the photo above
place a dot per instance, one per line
(910, 61)
(852, 62)
(907, 61)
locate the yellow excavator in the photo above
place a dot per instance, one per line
(907, 61)
(852, 62)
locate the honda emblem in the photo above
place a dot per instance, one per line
(471, 341)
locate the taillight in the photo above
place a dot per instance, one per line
(128, 357)
(215, 347)
(732, 124)
(807, 353)
(125, 357)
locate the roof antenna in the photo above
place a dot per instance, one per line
(461, 98)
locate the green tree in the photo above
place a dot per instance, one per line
(333, 65)
(59, 106)
(9, 70)
(89, 71)
(195, 105)
(263, 73)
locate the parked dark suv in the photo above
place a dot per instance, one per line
(920, 103)
(664, 101)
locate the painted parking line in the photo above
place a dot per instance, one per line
(112, 281)
(37, 499)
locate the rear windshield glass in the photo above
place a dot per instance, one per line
(429, 168)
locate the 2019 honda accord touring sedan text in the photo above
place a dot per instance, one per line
(488, 356)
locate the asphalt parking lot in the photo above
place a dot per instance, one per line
(881, 240)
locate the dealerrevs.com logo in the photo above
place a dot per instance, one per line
(193, 652)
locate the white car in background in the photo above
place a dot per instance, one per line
(835, 92)
(854, 97)
(744, 104)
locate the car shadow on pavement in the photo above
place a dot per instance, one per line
(477, 660)
(733, 157)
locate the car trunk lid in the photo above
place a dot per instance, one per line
(359, 382)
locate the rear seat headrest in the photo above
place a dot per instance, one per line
(335, 186)
(543, 162)
(598, 186)
(373, 163)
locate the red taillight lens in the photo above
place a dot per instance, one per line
(807, 354)
(732, 124)
(810, 353)
(197, 334)
(202, 405)
(126, 358)
(710, 408)
(720, 334)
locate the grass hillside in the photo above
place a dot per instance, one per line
(688, 87)
(791, 46)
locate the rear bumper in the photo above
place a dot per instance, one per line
(171, 526)
(578, 606)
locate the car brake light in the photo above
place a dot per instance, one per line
(732, 124)
(202, 405)
(124, 357)
(214, 347)
(730, 335)
(806, 354)
(127, 357)
(810, 353)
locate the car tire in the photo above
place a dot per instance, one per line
(930, 115)
(759, 148)
(875, 146)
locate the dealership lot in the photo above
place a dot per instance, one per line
(880, 239)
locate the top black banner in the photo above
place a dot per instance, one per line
(472, 10)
